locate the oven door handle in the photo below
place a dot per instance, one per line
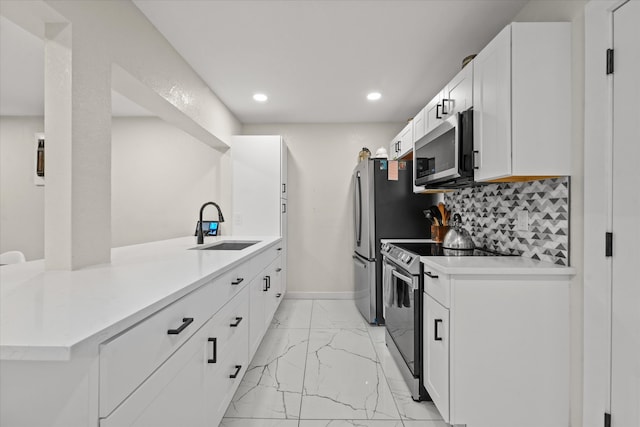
(402, 277)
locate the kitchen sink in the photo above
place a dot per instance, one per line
(229, 245)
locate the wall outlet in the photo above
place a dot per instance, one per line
(523, 221)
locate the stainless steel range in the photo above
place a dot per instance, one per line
(403, 284)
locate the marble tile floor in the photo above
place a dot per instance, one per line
(321, 365)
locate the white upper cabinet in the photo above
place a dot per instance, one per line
(402, 144)
(259, 184)
(522, 103)
(419, 125)
(458, 94)
(433, 112)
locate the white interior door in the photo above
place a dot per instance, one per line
(625, 321)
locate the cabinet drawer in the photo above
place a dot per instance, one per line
(437, 285)
(262, 260)
(188, 387)
(231, 282)
(129, 358)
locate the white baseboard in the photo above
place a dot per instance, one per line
(319, 295)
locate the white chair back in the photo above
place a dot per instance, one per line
(12, 257)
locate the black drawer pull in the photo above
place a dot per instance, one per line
(237, 281)
(438, 116)
(435, 329)
(278, 270)
(186, 321)
(278, 295)
(279, 249)
(237, 322)
(268, 282)
(235, 374)
(266, 288)
(430, 274)
(215, 350)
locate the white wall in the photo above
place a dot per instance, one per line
(160, 178)
(321, 161)
(573, 11)
(21, 202)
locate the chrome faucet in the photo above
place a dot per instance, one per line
(220, 219)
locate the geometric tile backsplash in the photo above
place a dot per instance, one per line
(490, 214)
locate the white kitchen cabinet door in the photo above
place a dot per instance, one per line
(419, 123)
(283, 251)
(257, 184)
(227, 356)
(284, 175)
(492, 108)
(402, 144)
(459, 92)
(433, 112)
(171, 396)
(436, 354)
(406, 140)
(522, 103)
(257, 305)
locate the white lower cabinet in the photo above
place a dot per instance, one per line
(195, 385)
(436, 354)
(496, 348)
(265, 295)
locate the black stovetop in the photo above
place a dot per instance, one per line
(436, 249)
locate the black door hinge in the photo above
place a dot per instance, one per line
(609, 61)
(608, 244)
(607, 420)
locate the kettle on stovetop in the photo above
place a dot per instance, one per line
(457, 237)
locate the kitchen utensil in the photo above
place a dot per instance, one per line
(436, 215)
(438, 232)
(457, 237)
(428, 215)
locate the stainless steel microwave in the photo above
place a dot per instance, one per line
(444, 157)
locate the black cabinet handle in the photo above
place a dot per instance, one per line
(430, 274)
(237, 281)
(278, 295)
(278, 270)
(186, 321)
(235, 374)
(284, 188)
(284, 208)
(475, 152)
(266, 288)
(215, 350)
(443, 110)
(438, 116)
(237, 322)
(279, 249)
(435, 329)
(268, 282)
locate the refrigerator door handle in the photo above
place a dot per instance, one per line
(359, 216)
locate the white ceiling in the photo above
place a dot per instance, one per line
(316, 60)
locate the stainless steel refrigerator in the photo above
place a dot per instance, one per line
(383, 209)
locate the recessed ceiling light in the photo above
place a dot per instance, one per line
(260, 97)
(374, 96)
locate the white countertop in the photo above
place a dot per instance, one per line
(494, 265)
(45, 315)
